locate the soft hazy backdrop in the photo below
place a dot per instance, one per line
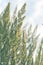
(34, 13)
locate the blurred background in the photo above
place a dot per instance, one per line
(34, 11)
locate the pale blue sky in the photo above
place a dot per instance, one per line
(34, 14)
